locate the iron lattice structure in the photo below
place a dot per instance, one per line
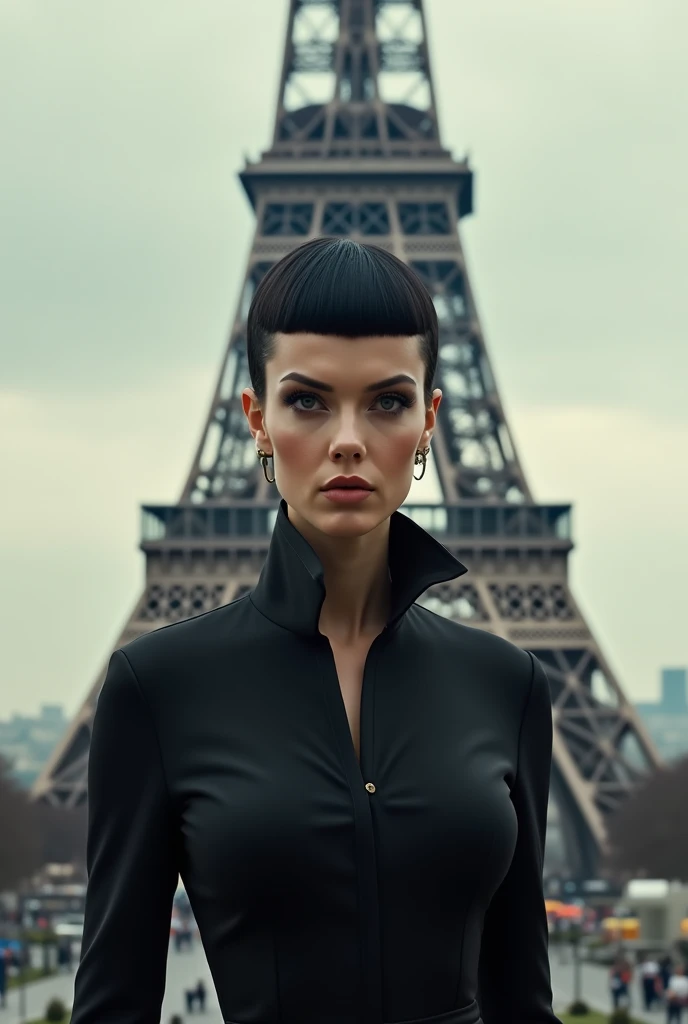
(356, 152)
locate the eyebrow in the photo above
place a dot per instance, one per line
(401, 378)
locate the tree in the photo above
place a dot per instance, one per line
(19, 838)
(648, 835)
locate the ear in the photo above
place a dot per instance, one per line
(256, 423)
(430, 419)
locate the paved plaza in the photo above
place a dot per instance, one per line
(185, 969)
(595, 989)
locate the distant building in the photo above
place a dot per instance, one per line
(27, 742)
(667, 720)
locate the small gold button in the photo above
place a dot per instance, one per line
(370, 787)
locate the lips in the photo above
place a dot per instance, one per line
(343, 483)
(346, 490)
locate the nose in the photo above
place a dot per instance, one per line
(347, 443)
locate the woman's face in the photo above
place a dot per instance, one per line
(343, 407)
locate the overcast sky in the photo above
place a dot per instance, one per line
(123, 236)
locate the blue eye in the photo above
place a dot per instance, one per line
(403, 403)
(308, 401)
(299, 396)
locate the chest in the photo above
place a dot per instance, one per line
(349, 663)
(321, 750)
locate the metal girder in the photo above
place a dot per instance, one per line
(356, 80)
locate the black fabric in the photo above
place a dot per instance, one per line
(221, 750)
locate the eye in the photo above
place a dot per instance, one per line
(393, 404)
(309, 401)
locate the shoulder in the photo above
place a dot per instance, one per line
(492, 661)
(199, 641)
(480, 646)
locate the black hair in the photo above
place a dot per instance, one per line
(338, 286)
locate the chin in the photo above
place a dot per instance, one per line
(342, 520)
(349, 520)
(347, 523)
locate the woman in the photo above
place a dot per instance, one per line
(353, 788)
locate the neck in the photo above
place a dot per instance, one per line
(357, 583)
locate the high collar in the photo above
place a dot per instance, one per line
(291, 588)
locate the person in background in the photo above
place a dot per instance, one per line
(619, 980)
(200, 996)
(676, 995)
(650, 978)
(194, 996)
(666, 969)
(627, 976)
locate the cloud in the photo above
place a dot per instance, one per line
(76, 466)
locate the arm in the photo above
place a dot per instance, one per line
(514, 975)
(131, 861)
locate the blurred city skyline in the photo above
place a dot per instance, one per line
(125, 236)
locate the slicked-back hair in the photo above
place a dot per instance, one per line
(340, 287)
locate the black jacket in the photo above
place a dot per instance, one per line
(408, 888)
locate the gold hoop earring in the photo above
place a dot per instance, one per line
(421, 459)
(263, 456)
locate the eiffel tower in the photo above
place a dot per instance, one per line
(356, 152)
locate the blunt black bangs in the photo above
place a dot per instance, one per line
(338, 286)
